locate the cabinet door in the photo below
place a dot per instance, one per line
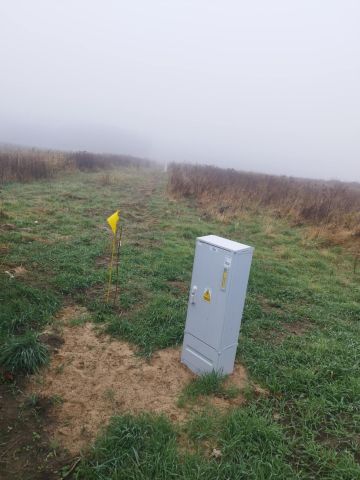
(208, 292)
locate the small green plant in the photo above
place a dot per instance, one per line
(60, 369)
(24, 354)
(36, 437)
(212, 383)
(54, 446)
(79, 321)
(109, 395)
(56, 399)
(31, 401)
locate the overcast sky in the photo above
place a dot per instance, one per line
(263, 85)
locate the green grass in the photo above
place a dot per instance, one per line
(300, 336)
(23, 353)
(146, 447)
(24, 307)
(212, 383)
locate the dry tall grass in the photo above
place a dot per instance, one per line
(332, 208)
(30, 164)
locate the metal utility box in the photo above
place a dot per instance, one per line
(216, 302)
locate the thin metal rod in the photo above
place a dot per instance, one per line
(110, 268)
(117, 265)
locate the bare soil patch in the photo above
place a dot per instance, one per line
(182, 286)
(96, 377)
(8, 226)
(268, 306)
(300, 327)
(26, 450)
(20, 271)
(293, 329)
(4, 248)
(52, 340)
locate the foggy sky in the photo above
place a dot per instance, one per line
(258, 85)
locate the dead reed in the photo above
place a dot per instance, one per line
(24, 165)
(331, 207)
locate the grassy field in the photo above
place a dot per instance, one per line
(300, 337)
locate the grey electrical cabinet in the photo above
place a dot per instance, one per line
(216, 302)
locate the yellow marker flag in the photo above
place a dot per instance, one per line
(113, 221)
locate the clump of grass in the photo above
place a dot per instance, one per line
(23, 354)
(133, 448)
(79, 321)
(3, 215)
(32, 400)
(24, 307)
(56, 399)
(212, 383)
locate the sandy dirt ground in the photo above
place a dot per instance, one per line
(93, 377)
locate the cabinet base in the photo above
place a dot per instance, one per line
(201, 358)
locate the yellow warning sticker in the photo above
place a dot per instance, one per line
(207, 295)
(224, 279)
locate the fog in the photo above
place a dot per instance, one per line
(268, 86)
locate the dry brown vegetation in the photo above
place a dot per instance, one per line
(331, 208)
(30, 164)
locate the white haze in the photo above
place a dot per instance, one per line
(261, 85)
